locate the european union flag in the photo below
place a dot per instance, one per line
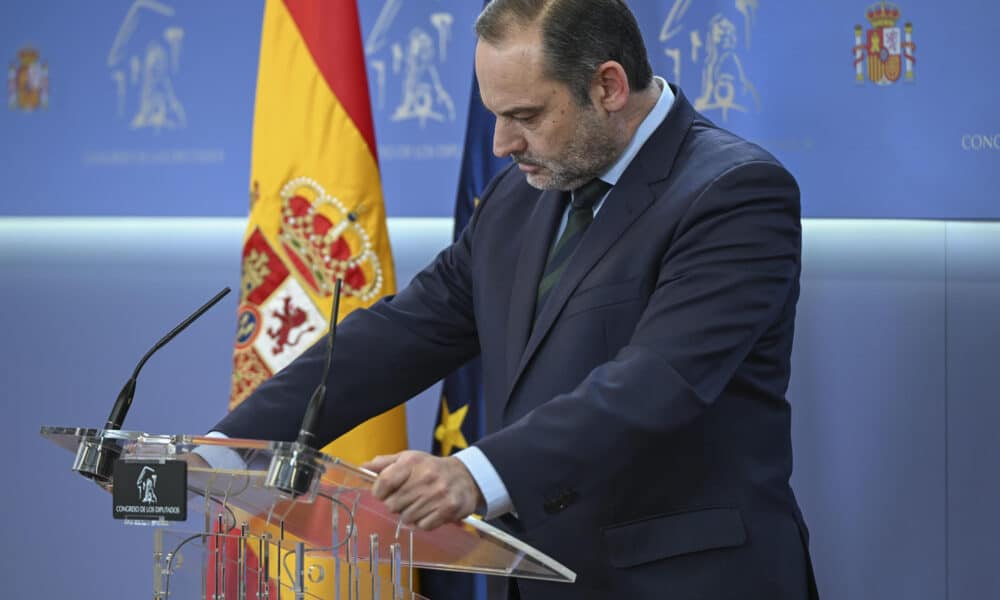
(461, 420)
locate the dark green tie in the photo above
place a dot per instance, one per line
(581, 214)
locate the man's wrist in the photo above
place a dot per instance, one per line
(479, 500)
(496, 500)
(220, 457)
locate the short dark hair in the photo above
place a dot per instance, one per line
(577, 36)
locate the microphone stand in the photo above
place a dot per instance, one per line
(296, 467)
(96, 456)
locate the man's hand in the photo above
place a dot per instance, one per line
(426, 491)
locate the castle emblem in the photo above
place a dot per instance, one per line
(887, 51)
(28, 82)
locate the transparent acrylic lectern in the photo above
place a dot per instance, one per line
(245, 539)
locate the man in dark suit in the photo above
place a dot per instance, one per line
(630, 282)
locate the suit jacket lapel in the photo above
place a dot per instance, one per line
(537, 237)
(625, 203)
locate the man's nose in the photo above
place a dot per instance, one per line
(506, 140)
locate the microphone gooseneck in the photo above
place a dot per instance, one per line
(310, 421)
(96, 456)
(124, 401)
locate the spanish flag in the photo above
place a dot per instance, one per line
(316, 202)
(316, 211)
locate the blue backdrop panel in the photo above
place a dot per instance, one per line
(84, 303)
(782, 74)
(83, 299)
(868, 406)
(149, 108)
(973, 410)
(419, 57)
(893, 391)
(150, 102)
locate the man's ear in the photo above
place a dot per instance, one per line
(610, 89)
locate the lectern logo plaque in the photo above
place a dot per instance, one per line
(150, 490)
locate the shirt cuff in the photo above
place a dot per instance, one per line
(220, 457)
(498, 501)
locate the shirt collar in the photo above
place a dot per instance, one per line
(646, 129)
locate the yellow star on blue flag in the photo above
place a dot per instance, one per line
(448, 433)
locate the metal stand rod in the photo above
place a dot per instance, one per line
(350, 567)
(300, 571)
(220, 567)
(396, 575)
(158, 565)
(354, 536)
(373, 564)
(281, 559)
(261, 566)
(354, 583)
(241, 563)
(335, 542)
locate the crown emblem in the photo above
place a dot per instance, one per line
(883, 14)
(26, 56)
(323, 249)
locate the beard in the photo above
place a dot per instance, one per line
(591, 150)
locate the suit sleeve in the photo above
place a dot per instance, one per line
(729, 274)
(382, 356)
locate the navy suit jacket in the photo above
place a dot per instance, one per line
(640, 424)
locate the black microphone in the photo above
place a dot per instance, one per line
(307, 434)
(296, 467)
(95, 457)
(124, 401)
